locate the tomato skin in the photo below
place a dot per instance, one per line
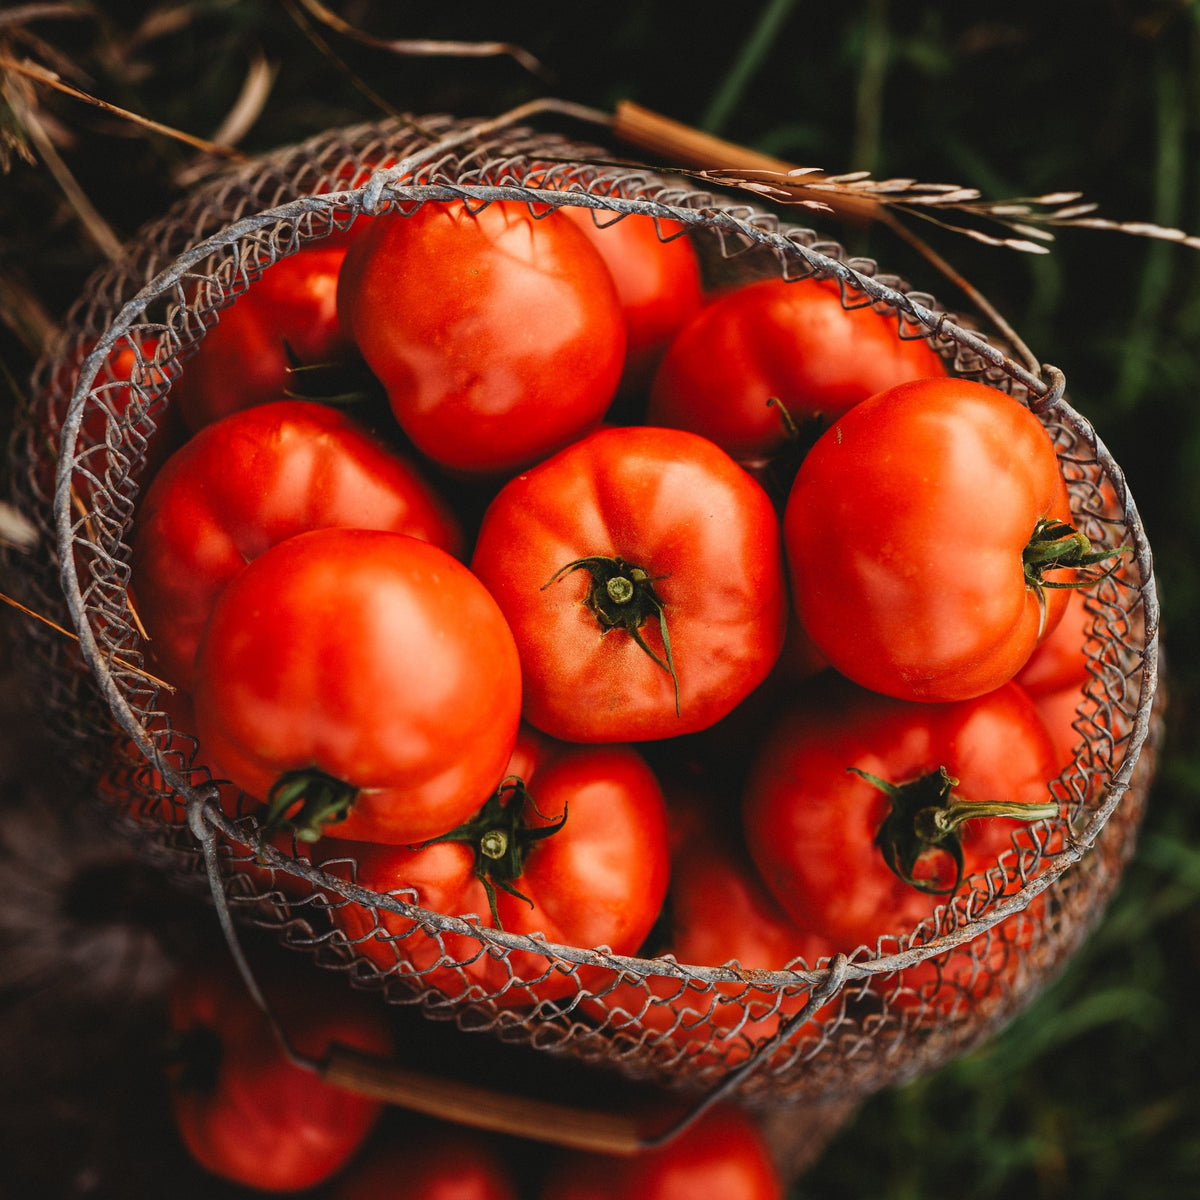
(658, 283)
(498, 337)
(242, 361)
(373, 657)
(430, 1162)
(811, 824)
(789, 340)
(676, 506)
(265, 1122)
(599, 880)
(723, 1155)
(904, 533)
(245, 484)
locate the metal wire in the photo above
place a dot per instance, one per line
(802, 1030)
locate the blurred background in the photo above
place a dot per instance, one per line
(1092, 1092)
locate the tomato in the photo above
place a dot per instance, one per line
(717, 912)
(1060, 661)
(245, 1111)
(925, 534)
(850, 861)
(253, 479)
(583, 859)
(791, 342)
(289, 314)
(363, 676)
(640, 571)
(498, 337)
(722, 1155)
(658, 282)
(427, 1161)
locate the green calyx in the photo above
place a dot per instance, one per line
(622, 596)
(799, 438)
(925, 822)
(502, 838)
(322, 799)
(1054, 545)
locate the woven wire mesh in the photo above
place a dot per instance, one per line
(802, 1030)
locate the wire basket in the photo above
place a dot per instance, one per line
(806, 1031)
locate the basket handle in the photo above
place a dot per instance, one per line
(480, 1107)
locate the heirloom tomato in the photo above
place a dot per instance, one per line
(640, 571)
(245, 1111)
(498, 337)
(928, 535)
(573, 845)
(286, 317)
(863, 812)
(252, 480)
(658, 282)
(723, 1155)
(358, 677)
(790, 342)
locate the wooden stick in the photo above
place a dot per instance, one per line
(481, 1108)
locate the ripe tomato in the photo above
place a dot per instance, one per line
(1060, 661)
(251, 480)
(427, 1161)
(788, 341)
(363, 676)
(920, 531)
(722, 1155)
(717, 912)
(658, 283)
(289, 314)
(498, 337)
(578, 853)
(640, 572)
(848, 860)
(245, 1111)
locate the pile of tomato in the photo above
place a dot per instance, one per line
(622, 611)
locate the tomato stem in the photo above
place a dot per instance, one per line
(502, 838)
(323, 800)
(1055, 545)
(779, 472)
(622, 596)
(925, 820)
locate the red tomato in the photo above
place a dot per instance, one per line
(245, 1111)
(918, 533)
(598, 878)
(498, 337)
(823, 836)
(1060, 661)
(718, 912)
(658, 282)
(429, 1162)
(596, 552)
(724, 1155)
(360, 672)
(246, 483)
(788, 341)
(290, 312)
